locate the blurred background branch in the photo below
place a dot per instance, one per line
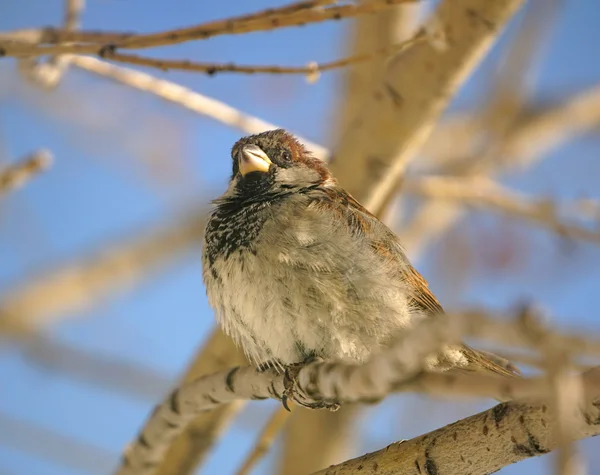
(42, 301)
(67, 452)
(16, 175)
(49, 73)
(184, 97)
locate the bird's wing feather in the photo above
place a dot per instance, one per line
(422, 297)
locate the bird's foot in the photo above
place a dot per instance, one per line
(289, 383)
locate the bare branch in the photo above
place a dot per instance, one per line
(533, 135)
(76, 286)
(48, 74)
(184, 97)
(14, 176)
(267, 20)
(312, 70)
(70, 453)
(324, 384)
(483, 193)
(483, 443)
(109, 373)
(265, 440)
(297, 14)
(188, 451)
(507, 94)
(55, 36)
(415, 90)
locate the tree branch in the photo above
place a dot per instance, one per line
(48, 74)
(70, 453)
(16, 175)
(480, 192)
(185, 453)
(76, 286)
(185, 97)
(111, 374)
(19, 44)
(415, 90)
(526, 143)
(483, 443)
(311, 71)
(404, 366)
(265, 440)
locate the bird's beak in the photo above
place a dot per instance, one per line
(253, 159)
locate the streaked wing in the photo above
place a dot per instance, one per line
(422, 298)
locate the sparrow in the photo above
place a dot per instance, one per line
(296, 269)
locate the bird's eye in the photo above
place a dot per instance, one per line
(287, 156)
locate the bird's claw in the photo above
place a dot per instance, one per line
(289, 382)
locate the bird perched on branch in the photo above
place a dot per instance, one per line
(295, 268)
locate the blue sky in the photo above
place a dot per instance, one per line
(126, 161)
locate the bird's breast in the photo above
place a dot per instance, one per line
(234, 230)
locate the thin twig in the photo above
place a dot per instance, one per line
(17, 44)
(484, 193)
(265, 439)
(263, 21)
(185, 97)
(16, 175)
(56, 36)
(48, 74)
(311, 70)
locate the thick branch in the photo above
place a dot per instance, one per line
(527, 142)
(316, 439)
(413, 93)
(188, 451)
(483, 443)
(324, 384)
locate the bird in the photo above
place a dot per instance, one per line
(295, 268)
